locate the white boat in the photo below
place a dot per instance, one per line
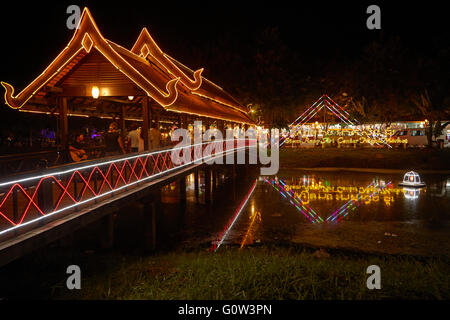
(412, 180)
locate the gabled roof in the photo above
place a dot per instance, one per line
(171, 84)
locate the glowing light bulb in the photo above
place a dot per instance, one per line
(95, 92)
(130, 98)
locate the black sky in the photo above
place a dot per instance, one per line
(33, 34)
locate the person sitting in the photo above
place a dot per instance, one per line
(76, 149)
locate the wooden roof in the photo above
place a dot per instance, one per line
(91, 60)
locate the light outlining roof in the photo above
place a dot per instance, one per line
(147, 66)
(86, 36)
(145, 45)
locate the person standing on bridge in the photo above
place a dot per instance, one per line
(133, 137)
(154, 137)
(113, 141)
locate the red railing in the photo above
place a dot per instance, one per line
(39, 198)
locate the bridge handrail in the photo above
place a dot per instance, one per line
(114, 174)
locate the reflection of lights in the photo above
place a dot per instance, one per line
(352, 205)
(234, 218)
(307, 211)
(255, 217)
(411, 193)
(287, 192)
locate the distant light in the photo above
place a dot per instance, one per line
(130, 98)
(95, 92)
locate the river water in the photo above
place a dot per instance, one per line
(351, 210)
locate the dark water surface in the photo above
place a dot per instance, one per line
(281, 208)
(348, 209)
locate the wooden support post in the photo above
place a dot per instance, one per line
(107, 233)
(122, 123)
(196, 185)
(207, 185)
(214, 177)
(157, 118)
(182, 188)
(221, 127)
(207, 124)
(45, 196)
(149, 215)
(145, 118)
(63, 124)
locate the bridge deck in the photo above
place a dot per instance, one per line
(39, 208)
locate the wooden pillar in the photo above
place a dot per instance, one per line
(157, 118)
(122, 122)
(221, 127)
(63, 123)
(214, 177)
(207, 123)
(196, 185)
(149, 213)
(145, 118)
(234, 182)
(107, 233)
(182, 187)
(185, 121)
(150, 207)
(45, 195)
(207, 185)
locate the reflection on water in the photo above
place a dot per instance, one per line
(411, 193)
(223, 235)
(306, 193)
(333, 198)
(255, 219)
(291, 207)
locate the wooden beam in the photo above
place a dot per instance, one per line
(122, 122)
(145, 118)
(63, 123)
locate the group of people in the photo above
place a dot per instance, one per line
(115, 144)
(136, 138)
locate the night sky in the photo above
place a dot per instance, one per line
(35, 33)
(319, 32)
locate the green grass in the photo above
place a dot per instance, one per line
(417, 159)
(264, 273)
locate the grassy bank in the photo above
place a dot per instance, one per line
(261, 273)
(410, 159)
